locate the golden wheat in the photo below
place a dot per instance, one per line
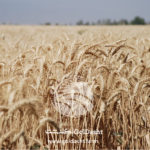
(38, 64)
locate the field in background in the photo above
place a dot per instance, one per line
(114, 60)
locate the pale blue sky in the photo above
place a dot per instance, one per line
(70, 11)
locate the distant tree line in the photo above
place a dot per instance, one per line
(136, 21)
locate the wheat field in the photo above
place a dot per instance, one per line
(113, 60)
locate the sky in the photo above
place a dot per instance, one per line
(71, 11)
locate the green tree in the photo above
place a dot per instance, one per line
(87, 23)
(48, 23)
(123, 22)
(138, 21)
(107, 22)
(80, 22)
(114, 22)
